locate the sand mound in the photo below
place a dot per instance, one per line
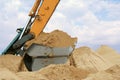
(115, 71)
(104, 49)
(63, 72)
(13, 63)
(55, 72)
(31, 76)
(87, 59)
(100, 76)
(112, 73)
(54, 39)
(109, 54)
(5, 74)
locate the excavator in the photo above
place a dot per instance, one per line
(37, 55)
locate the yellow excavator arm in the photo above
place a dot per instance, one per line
(39, 16)
(34, 8)
(45, 11)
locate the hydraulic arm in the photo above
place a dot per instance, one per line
(44, 13)
(40, 14)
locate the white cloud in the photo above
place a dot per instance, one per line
(11, 19)
(105, 9)
(12, 7)
(87, 26)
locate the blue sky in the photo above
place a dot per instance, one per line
(94, 22)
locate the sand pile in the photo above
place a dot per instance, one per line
(87, 59)
(56, 38)
(13, 63)
(63, 72)
(55, 72)
(112, 73)
(87, 65)
(6, 74)
(109, 54)
(100, 76)
(115, 71)
(30, 76)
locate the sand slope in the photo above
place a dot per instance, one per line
(109, 54)
(31, 76)
(6, 74)
(113, 73)
(63, 72)
(85, 64)
(55, 72)
(13, 63)
(87, 59)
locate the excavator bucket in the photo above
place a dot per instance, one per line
(42, 56)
